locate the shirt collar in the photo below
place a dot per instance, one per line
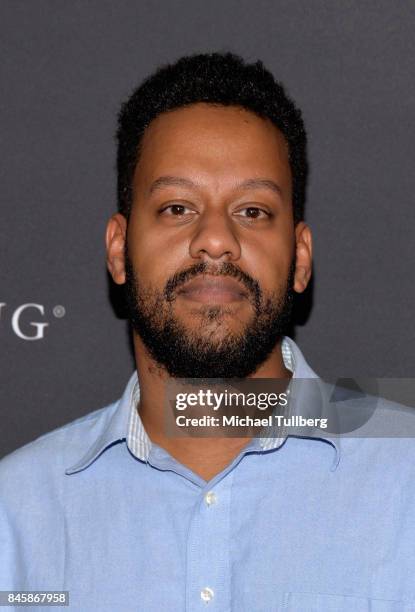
(294, 360)
(122, 421)
(113, 426)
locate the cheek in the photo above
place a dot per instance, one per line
(154, 261)
(269, 262)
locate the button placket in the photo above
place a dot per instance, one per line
(208, 566)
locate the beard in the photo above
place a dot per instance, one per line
(196, 353)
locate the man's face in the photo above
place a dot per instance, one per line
(210, 246)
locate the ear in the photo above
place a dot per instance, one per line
(115, 237)
(304, 251)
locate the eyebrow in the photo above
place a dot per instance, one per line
(177, 181)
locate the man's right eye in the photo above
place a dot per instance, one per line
(176, 210)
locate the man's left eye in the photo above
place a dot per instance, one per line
(253, 212)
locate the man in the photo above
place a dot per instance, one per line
(211, 244)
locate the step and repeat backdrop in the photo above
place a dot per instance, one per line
(66, 67)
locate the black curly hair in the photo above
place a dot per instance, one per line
(217, 78)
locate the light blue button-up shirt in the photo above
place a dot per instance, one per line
(302, 525)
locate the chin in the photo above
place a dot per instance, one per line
(217, 323)
(215, 314)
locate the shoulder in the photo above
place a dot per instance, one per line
(50, 454)
(383, 440)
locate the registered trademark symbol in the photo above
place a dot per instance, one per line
(59, 312)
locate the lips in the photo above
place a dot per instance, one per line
(209, 289)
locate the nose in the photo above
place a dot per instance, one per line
(215, 238)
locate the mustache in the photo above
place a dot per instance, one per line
(227, 268)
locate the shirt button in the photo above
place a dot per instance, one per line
(210, 498)
(206, 594)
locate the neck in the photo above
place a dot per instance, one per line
(205, 456)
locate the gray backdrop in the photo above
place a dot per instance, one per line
(65, 68)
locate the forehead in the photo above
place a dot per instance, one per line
(213, 141)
